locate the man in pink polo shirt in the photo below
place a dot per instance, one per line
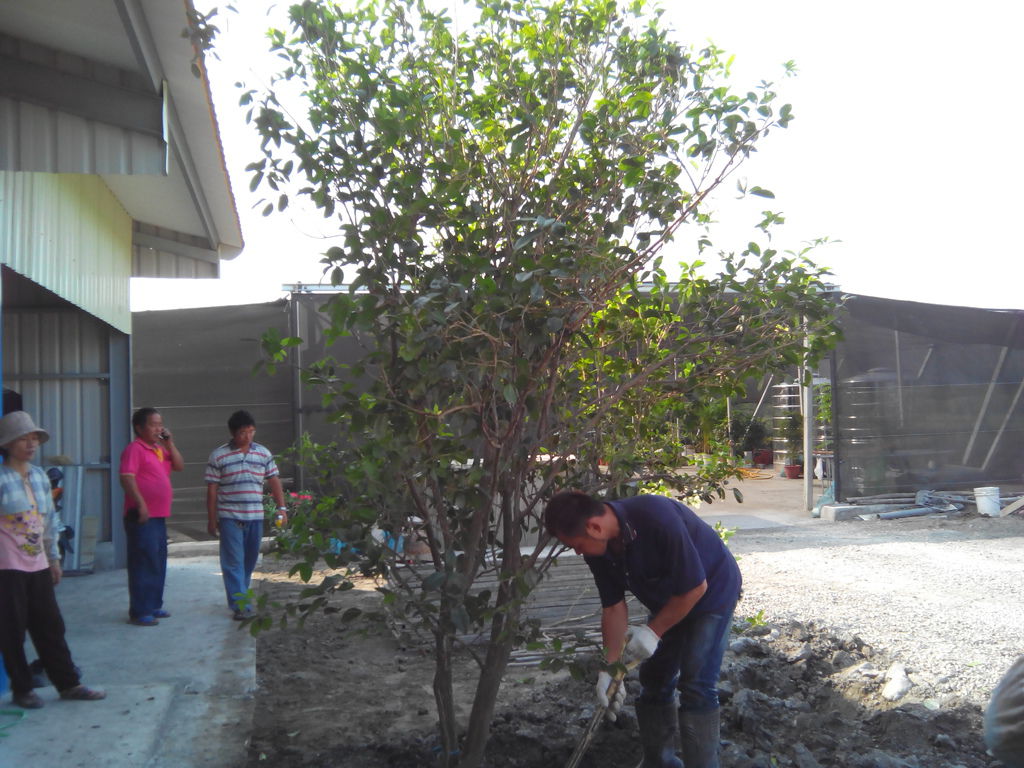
(146, 466)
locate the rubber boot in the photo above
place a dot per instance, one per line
(658, 726)
(699, 734)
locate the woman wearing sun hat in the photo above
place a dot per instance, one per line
(30, 568)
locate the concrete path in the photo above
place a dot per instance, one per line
(768, 502)
(178, 695)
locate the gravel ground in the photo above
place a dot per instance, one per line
(942, 595)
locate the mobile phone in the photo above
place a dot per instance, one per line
(164, 434)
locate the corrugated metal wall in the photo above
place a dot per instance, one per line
(153, 262)
(69, 234)
(67, 366)
(47, 140)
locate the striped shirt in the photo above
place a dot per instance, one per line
(239, 476)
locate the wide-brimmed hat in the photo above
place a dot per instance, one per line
(16, 424)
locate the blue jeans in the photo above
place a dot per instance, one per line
(147, 565)
(239, 551)
(688, 659)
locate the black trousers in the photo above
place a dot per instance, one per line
(27, 602)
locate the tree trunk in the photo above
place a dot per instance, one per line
(504, 627)
(444, 696)
(503, 633)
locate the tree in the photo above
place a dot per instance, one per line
(504, 193)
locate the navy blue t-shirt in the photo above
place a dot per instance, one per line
(667, 551)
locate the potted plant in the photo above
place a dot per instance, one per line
(748, 435)
(793, 434)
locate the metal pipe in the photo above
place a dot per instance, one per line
(1009, 411)
(985, 403)
(1002, 427)
(807, 406)
(916, 512)
(764, 394)
(294, 319)
(899, 376)
(837, 484)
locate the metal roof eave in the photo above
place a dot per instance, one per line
(166, 168)
(155, 30)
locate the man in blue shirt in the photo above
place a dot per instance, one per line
(682, 572)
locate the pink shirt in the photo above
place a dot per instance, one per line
(151, 467)
(28, 527)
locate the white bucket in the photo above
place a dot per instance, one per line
(987, 500)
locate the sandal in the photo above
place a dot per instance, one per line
(81, 693)
(28, 700)
(144, 621)
(160, 613)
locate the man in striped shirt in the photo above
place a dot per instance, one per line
(235, 475)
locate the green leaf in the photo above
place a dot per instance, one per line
(435, 581)
(525, 240)
(762, 192)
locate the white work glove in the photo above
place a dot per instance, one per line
(641, 643)
(612, 707)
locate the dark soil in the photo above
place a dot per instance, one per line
(798, 695)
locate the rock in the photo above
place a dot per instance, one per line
(944, 740)
(797, 703)
(734, 755)
(851, 642)
(898, 684)
(843, 659)
(725, 691)
(876, 758)
(865, 669)
(895, 670)
(753, 677)
(764, 761)
(749, 706)
(805, 652)
(748, 646)
(800, 631)
(757, 760)
(803, 758)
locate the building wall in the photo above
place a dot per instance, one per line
(928, 397)
(71, 372)
(196, 367)
(69, 234)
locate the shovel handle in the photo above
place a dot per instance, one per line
(595, 721)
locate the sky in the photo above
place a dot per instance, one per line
(904, 151)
